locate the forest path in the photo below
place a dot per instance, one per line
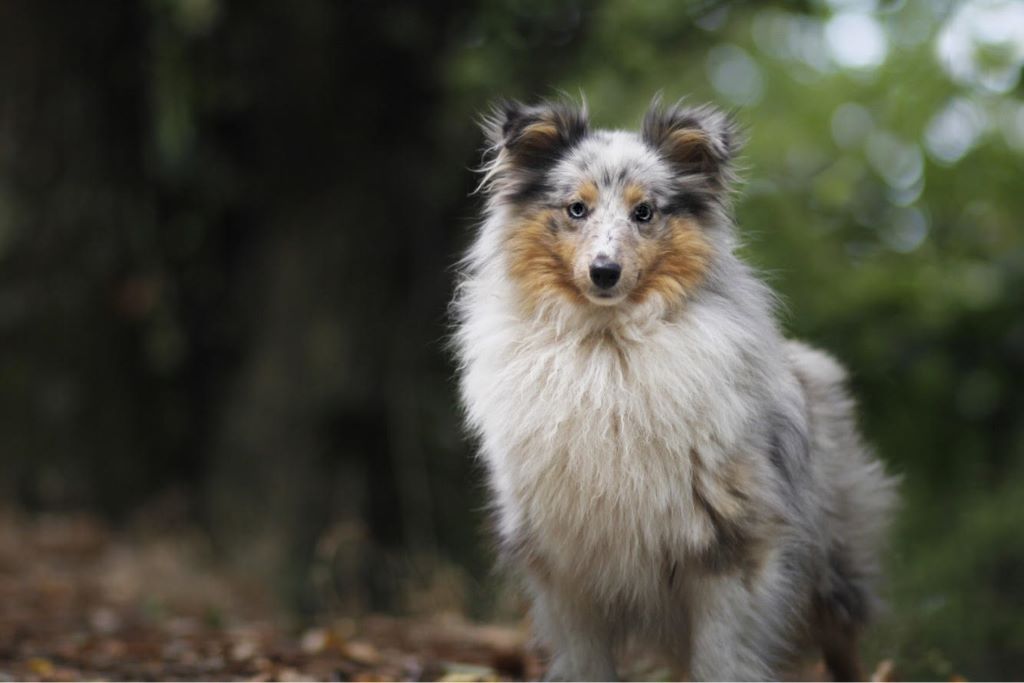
(79, 601)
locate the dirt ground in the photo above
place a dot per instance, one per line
(80, 602)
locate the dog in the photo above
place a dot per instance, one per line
(664, 464)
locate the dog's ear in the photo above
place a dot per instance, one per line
(526, 140)
(695, 140)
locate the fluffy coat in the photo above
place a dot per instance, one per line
(663, 462)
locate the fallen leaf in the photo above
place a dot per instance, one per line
(467, 673)
(243, 650)
(883, 672)
(40, 666)
(361, 652)
(315, 640)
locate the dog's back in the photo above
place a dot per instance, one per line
(857, 499)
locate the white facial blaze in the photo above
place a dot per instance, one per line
(609, 235)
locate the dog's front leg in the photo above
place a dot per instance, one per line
(579, 636)
(736, 635)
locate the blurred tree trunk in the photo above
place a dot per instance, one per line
(76, 230)
(322, 419)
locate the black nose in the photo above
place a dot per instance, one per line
(605, 273)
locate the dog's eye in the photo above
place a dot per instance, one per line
(576, 210)
(643, 213)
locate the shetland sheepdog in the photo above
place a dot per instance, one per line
(663, 462)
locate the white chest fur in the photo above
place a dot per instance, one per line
(590, 435)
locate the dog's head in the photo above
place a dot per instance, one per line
(609, 218)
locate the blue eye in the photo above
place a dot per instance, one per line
(643, 213)
(576, 210)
